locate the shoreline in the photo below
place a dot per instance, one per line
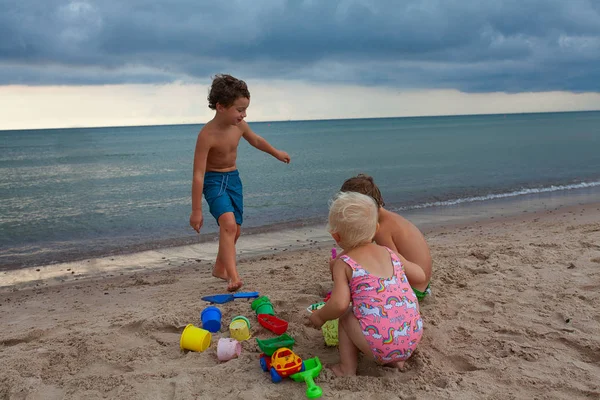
(249, 247)
(69, 256)
(425, 218)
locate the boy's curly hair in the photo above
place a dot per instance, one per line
(225, 90)
(363, 184)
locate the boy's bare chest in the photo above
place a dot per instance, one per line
(225, 147)
(226, 141)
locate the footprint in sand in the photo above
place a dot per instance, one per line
(587, 353)
(461, 364)
(34, 335)
(314, 289)
(485, 307)
(159, 323)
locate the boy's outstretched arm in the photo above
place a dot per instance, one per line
(200, 155)
(261, 143)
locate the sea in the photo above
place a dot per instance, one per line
(68, 194)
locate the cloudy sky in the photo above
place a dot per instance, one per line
(124, 62)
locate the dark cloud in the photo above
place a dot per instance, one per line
(470, 45)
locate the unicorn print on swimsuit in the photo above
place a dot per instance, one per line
(395, 334)
(398, 320)
(392, 301)
(376, 311)
(409, 304)
(373, 331)
(378, 353)
(418, 325)
(358, 272)
(403, 278)
(394, 355)
(387, 312)
(363, 287)
(398, 264)
(385, 283)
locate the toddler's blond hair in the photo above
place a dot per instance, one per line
(353, 216)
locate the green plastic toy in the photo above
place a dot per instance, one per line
(312, 368)
(268, 346)
(262, 305)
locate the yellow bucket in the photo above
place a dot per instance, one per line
(238, 330)
(194, 338)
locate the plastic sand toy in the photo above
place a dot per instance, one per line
(224, 298)
(269, 346)
(262, 305)
(283, 363)
(211, 319)
(272, 323)
(228, 349)
(312, 368)
(194, 338)
(329, 328)
(246, 320)
(330, 332)
(239, 329)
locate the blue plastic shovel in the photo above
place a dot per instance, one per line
(225, 298)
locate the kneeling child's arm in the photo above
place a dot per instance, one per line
(339, 301)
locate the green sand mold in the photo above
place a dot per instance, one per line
(269, 346)
(257, 302)
(312, 368)
(262, 305)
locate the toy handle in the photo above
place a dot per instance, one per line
(245, 295)
(313, 391)
(333, 253)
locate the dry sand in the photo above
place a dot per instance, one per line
(515, 314)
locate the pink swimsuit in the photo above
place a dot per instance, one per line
(388, 311)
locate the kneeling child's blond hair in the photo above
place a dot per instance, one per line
(354, 217)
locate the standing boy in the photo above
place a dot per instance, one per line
(215, 170)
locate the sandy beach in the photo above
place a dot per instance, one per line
(515, 314)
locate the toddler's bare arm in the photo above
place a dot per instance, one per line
(340, 297)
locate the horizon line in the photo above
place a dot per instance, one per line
(307, 120)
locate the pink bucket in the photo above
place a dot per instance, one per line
(228, 349)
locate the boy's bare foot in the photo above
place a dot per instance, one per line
(219, 271)
(338, 370)
(234, 286)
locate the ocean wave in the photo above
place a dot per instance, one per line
(520, 192)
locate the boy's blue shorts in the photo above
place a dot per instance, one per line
(223, 193)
